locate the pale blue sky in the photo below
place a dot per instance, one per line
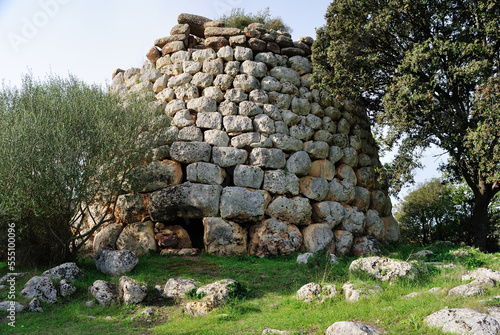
(91, 38)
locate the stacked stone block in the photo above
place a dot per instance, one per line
(270, 164)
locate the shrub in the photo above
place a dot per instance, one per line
(64, 144)
(239, 19)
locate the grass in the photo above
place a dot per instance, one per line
(268, 299)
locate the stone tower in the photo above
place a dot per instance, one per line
(255, 161)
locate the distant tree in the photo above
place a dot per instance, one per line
(429, 72)
(239, 19)
(63, 145)
(435, 211)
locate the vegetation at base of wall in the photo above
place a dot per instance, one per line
(239, 19)
(428, 72)
(437, 210)
(63, 145)
(274, 283)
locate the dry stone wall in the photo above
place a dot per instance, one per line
(255, 159)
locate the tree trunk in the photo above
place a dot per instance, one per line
(480, 221)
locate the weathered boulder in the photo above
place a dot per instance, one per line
(115, 262)
(315, 292)
(174, 233)
(466, 290)
(243, 205)
(463, 321)
(383, 268)
(273, 237)
(364, 246)
(187, 199)
(224, 238)
(35, 306)
(69, 271)
(138, 237)
(106, 237)
(353, 221)
(329, 212)
(40, 287)
(482, 273)
(176, 288)
(343, 241)
(351, 328)
(216, 294)
(196, 23)
(295, 211)
(104, 292)
(317, 237)
(66, 288)
(354, 292)
(154, 176)
(8, 305)
(131, 291)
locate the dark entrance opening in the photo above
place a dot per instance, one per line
(195, 229)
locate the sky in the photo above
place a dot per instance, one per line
(91, 38)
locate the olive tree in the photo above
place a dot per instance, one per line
(63, 146)
(428, 72)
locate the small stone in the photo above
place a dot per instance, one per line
(216, 137)
(314, 188)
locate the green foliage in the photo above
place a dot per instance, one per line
(64, 144)
(435, 211)
(239, 19)
(239, 292)
(194, 295)
(428, 71)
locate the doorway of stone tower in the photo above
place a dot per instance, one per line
(195, 229)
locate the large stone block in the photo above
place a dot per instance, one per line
(314, 188)
(279, 182)
(248, 176)
(227, 156)
(184, 200)
(267, 158)
(273, 237)
(224, 238)
(329, 212)
(190, 152)
(243, 205)
(295, 211)
(205, 173)
(154, 176)
(317, 237)
(138, 237)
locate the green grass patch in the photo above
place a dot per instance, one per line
(264, 296)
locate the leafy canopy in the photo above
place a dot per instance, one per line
(239, 19)
(64, 144)
(428, 70)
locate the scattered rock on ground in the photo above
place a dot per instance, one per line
(350, 328)
(35, 306)
(354, 292)
(482, 272)
(383, 268)
(69, 271)
(131, 291)
(40, 287)
(66, 288)
(6, 305)
(466, 290)
(115, 262)
(463, 321)
(178, 287)
(315, 292)
(104, 292)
